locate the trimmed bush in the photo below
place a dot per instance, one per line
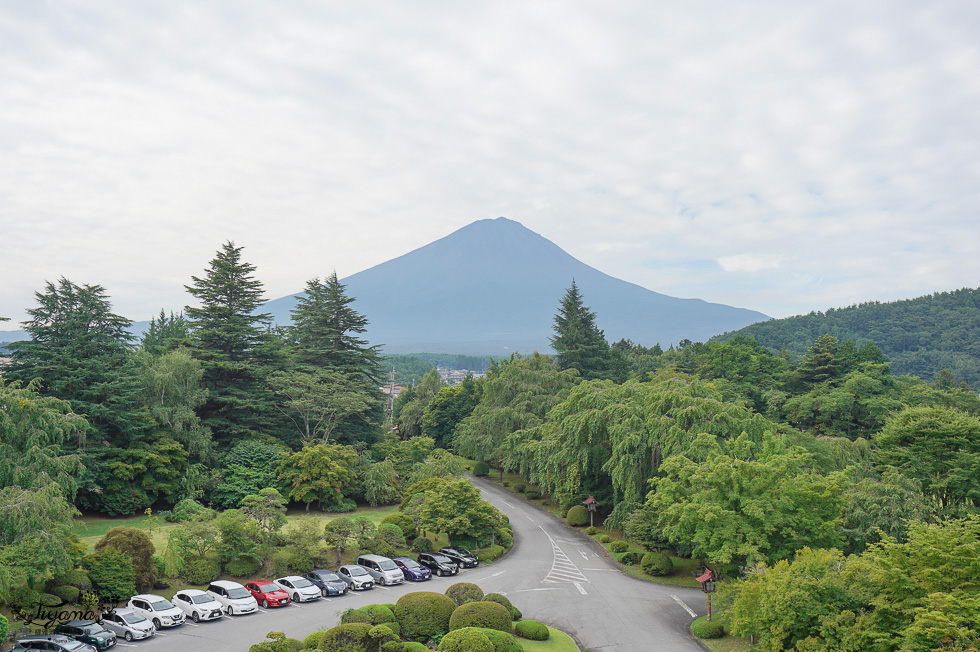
(410, 646)
(312, 642)
(577, 515)
(499, 599)
(605, 538)
(66, 592)
(423, 614)
(532, 630)
(491, 553)
(422, 544)
(470, 639)
(503, 641)
(352, 637)
(77, 578)
(355, 616)
(533, 495)
(381, 634)
(112, 574)
(706, 629)
(381, 547)
(657, 563)
(392, 534)
(380, 613)
(243, 566)
(198, 570)
(463, 592)
(591, 530)
(404, 522)
(520, 487)
(490, 615)
(481, 469)
(506, 484)
(619, 546)
(630, 558)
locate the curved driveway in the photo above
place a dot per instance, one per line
(553, 574)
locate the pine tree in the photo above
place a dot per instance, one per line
(233, 344)
(579, 343)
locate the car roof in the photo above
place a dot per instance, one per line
(291, 578)
(262, 582)
(148, 596)
(193, 592)
(226, 584)
(78, 622)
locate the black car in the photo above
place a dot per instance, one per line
(51, 642)
(328, 582)
(87, 631)
(439, 564)
(461, 556)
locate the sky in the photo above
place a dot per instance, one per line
(779, 156)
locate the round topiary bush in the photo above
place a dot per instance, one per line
(605, 538)
(533, 630)
(533, 495)
(503, 641)
(491, 615)
(630, 558)
(657, 563)
(404, 522)
(423, 614)
(470, 639)
(66, 592)
(706, 629)
(422, 544)
(312, 642)
(381, 634)
(619, 546)
(520, 487)
(352, 637)
(412, 646)
(463, 592)
(243, 566)
(78, 578)
(355, 616)
(577, 515)
(591, 530)
(392, 534)
(502, 599)
(380, 613)
(481, 469)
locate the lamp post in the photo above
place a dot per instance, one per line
(590, 505)
(707, 580)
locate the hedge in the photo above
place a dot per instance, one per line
(533, 630)
(577, 515)
(423, 614)
(463, 592)
(475, 639)
(485, 614)
(657, 563)
(352, 637)
(707, 629)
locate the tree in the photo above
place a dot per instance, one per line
(172, 391)
(318, 400)
(579, 343)
(456, 508)
(232, 342)
(341, 533)
(409, 407)
(447, 408)
(240, 536)
(112, 575)
(268, 509)
(320, 473)
(136, 545)
(248, 468)
(381, 484)
(164, 334)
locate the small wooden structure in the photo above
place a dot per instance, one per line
(590, 505)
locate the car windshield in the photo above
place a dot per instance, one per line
(328, 577)
(302, 583)
(238, 592)
(442, 559)
(133, 618)
(73, 645)
(93, 629)
(162, 605)
(387, 564)
(201, 598)
(464, 552)
(267, 587)
(410, 563)
(357, 570)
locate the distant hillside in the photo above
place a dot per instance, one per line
(493, 287)
(918, 336)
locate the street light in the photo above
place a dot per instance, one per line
(708, 586)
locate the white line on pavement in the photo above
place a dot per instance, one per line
(582, 552)
(580, 588)
(686, 608)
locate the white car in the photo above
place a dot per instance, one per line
(157, 609)
(198, 605)
(234, 597)
(299, 588)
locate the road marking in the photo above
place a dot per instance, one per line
(686, 608)
(509, 505)
(562, 568)
(127, 645)
(526, 590)
(191, 624)
(605, 570)
(529, 518)
(580, 589)
(582, 552)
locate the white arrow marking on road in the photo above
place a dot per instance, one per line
(686, 608)
(582, 552)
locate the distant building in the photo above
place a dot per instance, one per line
(393, 390)
(456, 376)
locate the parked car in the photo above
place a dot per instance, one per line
(198, 605)
(52, 642)
(383, 570)
(157, 609)
(356, 577)
(267, 593)
(412, 570)
(234, 597)
(439, 564)
(128, 623)
(87, 631)
(328, 582)
(299, 588)
(463, 557)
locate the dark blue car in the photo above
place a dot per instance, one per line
(328, 582)
(412, 569)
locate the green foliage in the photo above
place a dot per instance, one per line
(481, 469)
(420, 487)
(187, 509)
(382, 484)
(604, 538)
(589, 530)
(4, 627)
(319, 400)
(199, 570)
(456, 508)
(240, 536)
(312, 642)
(355, 616)
(244, 566)
(532, 630)
(485, 614)
(352, 637)
(112, 574)
(520, 487)
(380, 613)
(423, 614)
(392, 535)
(533, 495)
(422, 544)
(268, 509)
(707, 629)
(463, 592)
(630, 558)
(277, 642)
(447, 409)
(343, 534)
(404, 522)
(466, 640)
(303, 545)
(134, 543)
(320, 473)
(65, 592)
(657, 564)
(247, 469)
(579, 343)
(619, 546)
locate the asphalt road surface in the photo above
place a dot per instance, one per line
(553, 574)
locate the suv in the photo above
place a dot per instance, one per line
(328, 581)
(356, 576)
(233, 596)
(461, 556)
(157, 609)
(382, 569)
(128, 623)
(87, 631)
(52, 642)
(439, 564)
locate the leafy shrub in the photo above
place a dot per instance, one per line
(577, 515)
(520, 487)
(491, 553)
(404, 522)
(381, 547)
(630, 558)
(463, 592)
(77, 578)
(381, 634)
(470, 639)
(342, 507)
(533, 630)
(481, 469)
(423, 614)
(706, 629)
(605, 538)
(111, 572)
(591, 530)
(422, 544)
(506, 484)
(4, 627)
(533, 495)
(505, 537)
(66, 592)
(244, 566)
(619, 546)
(487, 614)
(312, 642)
(408, 646)
(392, 534)
(380, 613)
(355, 616)
(657, 563)
(185, 510)
(199, 570)
(500, 599)
(502, 641)
(352, 637)
(135, 544)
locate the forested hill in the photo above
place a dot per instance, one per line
(918, 336)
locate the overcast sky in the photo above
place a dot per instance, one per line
(780, 156)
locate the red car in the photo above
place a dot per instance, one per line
(267, 594)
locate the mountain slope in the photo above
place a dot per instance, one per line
(493, 286)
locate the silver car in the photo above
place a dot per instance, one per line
(356, 576)
(128, 623)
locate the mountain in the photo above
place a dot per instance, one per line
(918, 336)
(493, 287)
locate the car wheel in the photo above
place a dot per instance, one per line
(129, 637)
(156, 623)
(323, 593)
(296, 597)
(196, 617)
(231, 610)
(265, 603)
(383, 581)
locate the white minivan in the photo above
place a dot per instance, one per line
(382, 569)
(234, 597)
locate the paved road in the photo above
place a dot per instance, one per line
(553, 574)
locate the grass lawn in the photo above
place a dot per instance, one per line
(559, 642)
(726, 643)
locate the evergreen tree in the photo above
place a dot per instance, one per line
(233, 344)
(579, 343)
(165, 333)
